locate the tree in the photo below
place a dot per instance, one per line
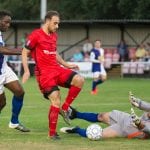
(142, 11)
(22, 10)
(80, 9)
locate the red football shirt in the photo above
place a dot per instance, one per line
(43, 49)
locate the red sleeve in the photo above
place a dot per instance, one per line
(31, 41)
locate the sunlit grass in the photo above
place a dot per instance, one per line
(113, 94)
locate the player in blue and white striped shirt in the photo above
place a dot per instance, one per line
(97, 59)
(8, 78)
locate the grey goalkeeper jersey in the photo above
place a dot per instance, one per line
(145, 118)
(123, 124)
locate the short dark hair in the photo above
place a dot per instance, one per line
(50, 14)
(4, 13)
(97, 40)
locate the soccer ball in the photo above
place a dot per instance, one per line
(94, 132)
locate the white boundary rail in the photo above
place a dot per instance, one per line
(85, 67)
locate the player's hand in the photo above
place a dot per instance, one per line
(136, 120)
(73, 66)
(134, 101)
(101, 58)
(25, 77)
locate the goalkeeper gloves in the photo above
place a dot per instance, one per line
(136, 120)
(133, 100)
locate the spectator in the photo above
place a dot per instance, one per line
(87, 46)
(132, 52)
(77, 56)
(123, 50)
(86, 57)
(141, 52)
(115, 56)
(147, 57)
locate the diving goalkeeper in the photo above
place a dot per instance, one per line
(120, 124)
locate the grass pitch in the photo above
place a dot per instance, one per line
(113, 94)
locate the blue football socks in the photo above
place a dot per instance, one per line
(17, 103)
(95, 83)
(80, 131)
(99, 82)
(92, 117)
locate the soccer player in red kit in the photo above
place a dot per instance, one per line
(51, 70)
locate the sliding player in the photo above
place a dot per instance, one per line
(120, 124)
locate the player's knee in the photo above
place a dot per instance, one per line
(104, 78)
(56, 102)
(101, 117)
(19, 92)
(55, 98)
(78, 81)
(81, 80)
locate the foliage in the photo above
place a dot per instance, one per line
(80, 9)
(22, 10)
(142, 10)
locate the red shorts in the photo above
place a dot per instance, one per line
(50, 79)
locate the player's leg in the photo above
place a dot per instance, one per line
(17, 100)
(74, 89)
(101, 78)
(2, 93)
(76, 85)
(17, 103)
(12, 83)
(74, 82)
(98, 78)
(74, 130)
(50, 91)
(107, 132)
(110, 133)
(103, 73)
(89, 116)
(54, 110)
(2, 101)
(95, 82)
(104, 117)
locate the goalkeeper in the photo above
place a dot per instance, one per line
(120, 124)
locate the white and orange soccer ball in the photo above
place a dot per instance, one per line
(94, 132)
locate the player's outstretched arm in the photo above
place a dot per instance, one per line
(136, 102)
(65, 64)
(136, 120)
(143, 126)
(26, 74)
(8, 51)
(146, 129)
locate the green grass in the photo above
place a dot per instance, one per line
(113, 94)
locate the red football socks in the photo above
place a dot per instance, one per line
(53, 117)
(73, 93)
